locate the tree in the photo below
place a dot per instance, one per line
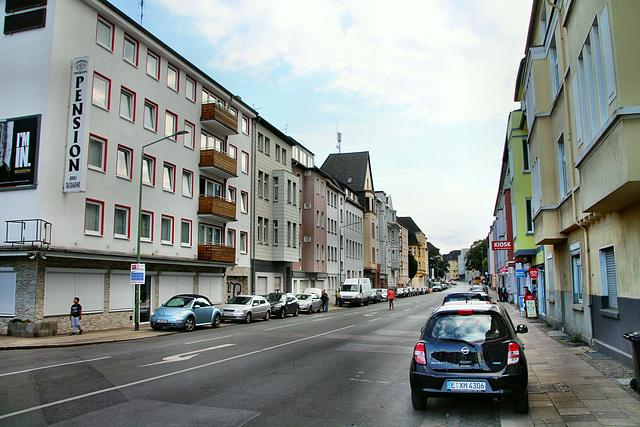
(413, 266)
(476, 258)
(440, 266)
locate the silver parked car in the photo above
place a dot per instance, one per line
(309, 303)
(185, 311)
(245, 308)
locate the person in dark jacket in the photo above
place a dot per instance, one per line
(325, 301)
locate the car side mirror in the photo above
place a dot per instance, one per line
(522, 329)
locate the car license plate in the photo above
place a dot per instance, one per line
(471, 386)
(161, 321)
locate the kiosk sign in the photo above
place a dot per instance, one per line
(502, 245)
(137, 274)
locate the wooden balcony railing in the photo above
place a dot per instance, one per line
(218, 159)
(217, 253)
(215, 114)
(211, 205)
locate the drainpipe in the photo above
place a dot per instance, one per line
(573, 193)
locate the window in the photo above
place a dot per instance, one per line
(260, 175)
(289, 191)
(149, 170)
(609, 278)
(170, 124)
(185, 233)
(101, 95)
(233, 151)
(166, 234)
(127, 104)
(244, 162)
(150, 115)
(576, 273)
(93, 217)
(259, 230)
(190, 89)
(231, 237)
(187, 183)
(277, 153)
(275, 232)
(525, 155)
(168, 177)
(231, 194)
(146, 226)
(293, 235)
(104, 33)
(121, 221)
(244, 238)
(153, 65)
(97, 153)
(267, 146)
(275, 188)
(173, 77)
(265, 237)
(245, 125)
(260, 142)
(562, 168)
(266, 186)
(529, 213)
(289, 243)
(284, 156)
(555, 73)
(189, 138)
(123, 162)
(130, 50)
(244, 202)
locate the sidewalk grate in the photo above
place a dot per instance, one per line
(548, 388)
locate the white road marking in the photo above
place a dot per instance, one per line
(279, 327)
(54, 366)
(377, 318)
(351, 314)
(170, 374)
(186, 356)
(322, 318)
(208, 339)
(408, 309)
(369, 381)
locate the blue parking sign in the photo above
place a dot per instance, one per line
(137, 274)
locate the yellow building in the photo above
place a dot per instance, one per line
(580, 93)
(417, 248)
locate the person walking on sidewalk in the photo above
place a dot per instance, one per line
(75, 316)
(391, 296)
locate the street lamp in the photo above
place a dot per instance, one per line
(136, 313)
(340, 249)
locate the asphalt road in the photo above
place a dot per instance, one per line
(348, 367)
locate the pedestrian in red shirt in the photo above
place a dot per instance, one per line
(391, 296)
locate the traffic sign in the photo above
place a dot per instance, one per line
(137, 274)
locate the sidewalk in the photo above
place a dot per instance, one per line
(564, 389)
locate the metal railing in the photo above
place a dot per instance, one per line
(36, 232)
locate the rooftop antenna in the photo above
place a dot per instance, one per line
(339, 137)
(141, 11)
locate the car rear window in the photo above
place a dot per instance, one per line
(476, 327)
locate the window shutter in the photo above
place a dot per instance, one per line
(612, 280)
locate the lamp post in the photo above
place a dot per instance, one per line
(136, 314)
(340, 250)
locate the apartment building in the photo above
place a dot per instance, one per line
(275, 209)
(404, 255)
(581, 97)
(388, 233)
(452, 259)
(354, 170)
(418, 248)
(335, 202)
(351, 236)
(84, 135)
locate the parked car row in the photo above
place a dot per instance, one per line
(469, 346)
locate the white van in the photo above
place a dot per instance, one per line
(355, 292)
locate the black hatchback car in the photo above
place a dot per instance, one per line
(283, 304)
(469, 348)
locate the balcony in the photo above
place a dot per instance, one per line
(28, 232)
(546, 226)
(219, 163)
(217, 253)
(219, 119)
(609, 170)
(217, 207)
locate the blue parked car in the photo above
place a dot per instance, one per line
(186, 311)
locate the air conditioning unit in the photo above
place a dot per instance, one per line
(307, 205)
(307, 239)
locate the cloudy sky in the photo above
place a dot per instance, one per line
(424, 85)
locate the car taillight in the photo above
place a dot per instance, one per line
(465, 312)
(419, 354)
(514, 354)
